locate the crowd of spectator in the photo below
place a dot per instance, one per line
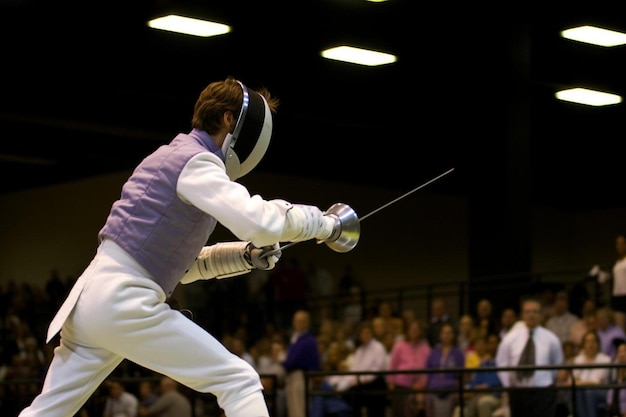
(260, 326)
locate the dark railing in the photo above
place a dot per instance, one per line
(461, 390)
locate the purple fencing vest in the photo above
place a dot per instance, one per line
(150, 221)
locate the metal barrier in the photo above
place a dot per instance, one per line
(462, 389)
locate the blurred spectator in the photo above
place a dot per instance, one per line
(485, 320)
(302, 356)
(238, 346)
(438, 317)
(590, 400)
(328, 405)
(483, 404)
(171, 402)
(273, 365)
(467, 333)
(608, 330)
(564, 379)
(32, 356)
(381, 328)
(342, 335)
(410, 353)
(587, 321)
(119, 402)
(408, 315)
(147, 394)
(538, 402)
(370, 355)
(616, 397)
(562, 319)
(546, 298)
(478, 354)
(508, 318)
(393, 321)
(617, 280)
(445, 354)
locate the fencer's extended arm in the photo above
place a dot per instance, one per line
(229, 259)
(309, 222)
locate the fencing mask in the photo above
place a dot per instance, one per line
(244, 148)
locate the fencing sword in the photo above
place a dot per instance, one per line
(350, 223)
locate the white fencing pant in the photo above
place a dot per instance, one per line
(122, 314)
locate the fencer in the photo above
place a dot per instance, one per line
(155, 237)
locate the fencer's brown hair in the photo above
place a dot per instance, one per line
(220, 97)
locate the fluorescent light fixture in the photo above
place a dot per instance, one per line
(595, 36)
(189, 26)
(358, 56)
(589, 97)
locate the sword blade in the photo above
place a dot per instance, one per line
(405, 194)
(419, 187)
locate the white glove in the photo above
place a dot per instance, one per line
(230, 259)
(256, 259)
(308, 222)
(601, 276)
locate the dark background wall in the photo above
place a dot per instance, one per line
(424, 238)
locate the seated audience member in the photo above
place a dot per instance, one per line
(331, 405)
(171, 401)
(607, 330)
(581, 326)
(409, 353)
(562, 319)
(508, 318)
(147, 394)
(273, 376)
(483, 404)
(370, 355)
(616, 397)
(476, 356)
(563, 379)
(589, 399)
(486, 321)
(446, 354)
(467, 333)
(438, 317)
(119, 403)
(392, 321)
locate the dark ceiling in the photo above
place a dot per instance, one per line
(473, 89)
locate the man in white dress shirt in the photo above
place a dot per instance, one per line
(539, 402)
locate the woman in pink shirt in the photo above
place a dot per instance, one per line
(409, 353)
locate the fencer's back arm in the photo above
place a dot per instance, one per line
(230, 259)
(221, 260)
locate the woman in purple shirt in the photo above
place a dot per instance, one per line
(446, 354)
